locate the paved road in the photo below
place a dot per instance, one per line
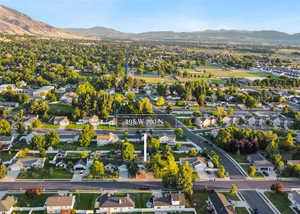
(132, 185)
(233, 169)
(255, 201)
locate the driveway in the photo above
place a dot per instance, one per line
(12, 175)
(255, 201)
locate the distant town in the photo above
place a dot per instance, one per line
(100, 126)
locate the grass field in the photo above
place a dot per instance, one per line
(37, 201)
(241, 210)
(85, 201)
(60, 109)
(48, 172)
(6, 156)
(200, 198)
(140, 199)
(280, 201)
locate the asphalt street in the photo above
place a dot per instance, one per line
(255, 201)
(135, 185)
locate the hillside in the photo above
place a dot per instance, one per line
(14, 22)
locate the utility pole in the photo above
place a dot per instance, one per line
(145, 147)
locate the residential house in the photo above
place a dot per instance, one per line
(114, 204)
(58, 204)
(8, 105)
(80, 165)
(61, 121)
(41, 92)
(294, 198)
(197, 163)
(68, 97)
(7, 205)
(106, 139)
(169, 139)
(204, 122)
(68, 137)
(218, 204)
(94, 121)
(110, 168)
(6, 142)
(27, 163)
(260, 163)
(169, 201)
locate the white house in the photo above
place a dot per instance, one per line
(57, 204)
(261, 164)
(27, 163)
(61, 121)
(168, 139)
(94, 121)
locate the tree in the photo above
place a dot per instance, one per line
(39, 141)
(221, 173)
(185, 178)
(160, 101)
(272, 148)
(88, 133)
(97, 169)
(278, 188)
(179, 132)
(234, 189)
(133, 168)
(288, 142)
(23, 153)
(3, 171)
(252, 171)
(84, 155)
(5, 127)
(128, 151)
(51, 138)
(155, 143)
(193, 152)
(33, 192)
(201, 100)
(21, 128)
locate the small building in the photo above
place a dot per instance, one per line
(260, 163)
(106, 139)
(61, 121)
(7, 205)
(114, 204)
(59, 204)
(218, 204)
(29, 120)
(169, 201)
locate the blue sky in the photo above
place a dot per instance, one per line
(156, 15)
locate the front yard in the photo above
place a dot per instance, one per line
(280, 201)
(86, 201)
(36, 201)
(199, 200)
(48, 172)
(140, 199)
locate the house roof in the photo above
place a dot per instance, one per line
(221, 204)
(7, 203)
(60, 201)
(167, 200)
(110, 201)
(259, 160)
(105, 137)
(5, 138)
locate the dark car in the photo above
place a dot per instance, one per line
(265, 173)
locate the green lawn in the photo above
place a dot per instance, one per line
(239, 158)
(60, 109)
(200, 198)
(86, 201)
(37, 201)
(280, 201)
(6, 156)
(48, 172)
(140, 199)
(241, 210)
(74, 126)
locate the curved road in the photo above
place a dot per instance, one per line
(233, 169)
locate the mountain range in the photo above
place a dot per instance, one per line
(14, 22)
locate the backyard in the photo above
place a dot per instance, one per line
(280, 201)
(36, 201)
(86, 201)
